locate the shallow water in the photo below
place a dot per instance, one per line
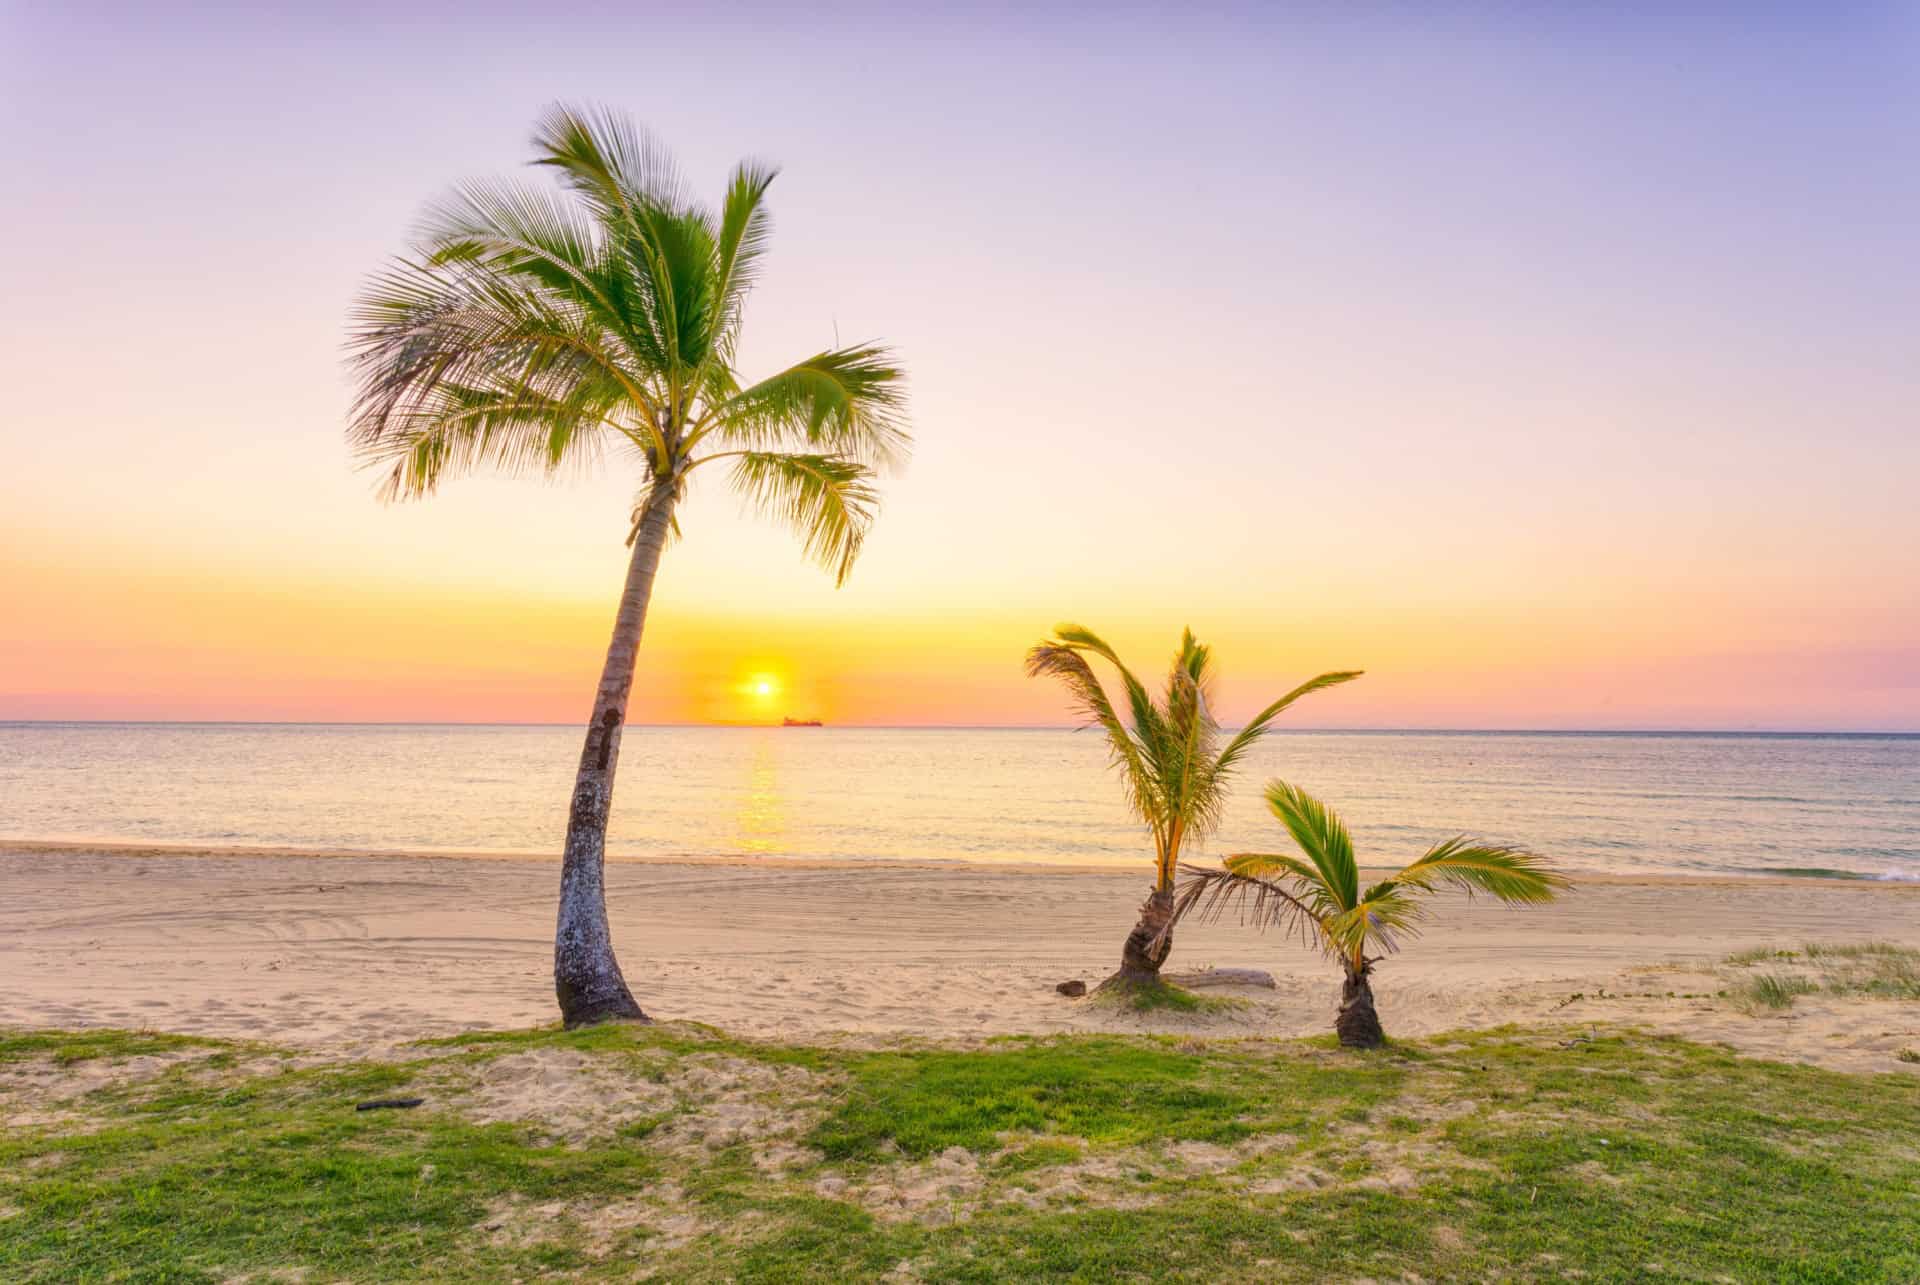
(1620, 802)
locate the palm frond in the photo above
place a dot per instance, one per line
(1211, 892)
(1257, 726)
(620, 169)
(461, 367)
(744, 230)
(1383, 917)
(1061, 659)
(1192, 742)
(515, 229)
(518, 433)
(850, 401)
(681, 258)
(827, 500)
(665, 240)
(1148, 724)
(1306, 881)
(1322, 836)
(1512, 875)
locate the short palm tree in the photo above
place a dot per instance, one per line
(1174, 764)
(536, 331)
(1322, 899)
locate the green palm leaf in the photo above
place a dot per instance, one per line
(1257, 726)
(828, 501)
(847, 400)
(1322, 835)
(1210, 893)
(1062, 660)
(1511, 874)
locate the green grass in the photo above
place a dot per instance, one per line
(1874, 970)
(1096, 1089)
(65, 1049)
(1507, 1154)
(1773, 991)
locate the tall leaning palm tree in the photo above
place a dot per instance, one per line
(1174, 765)
(1321, 896)
(534, 330)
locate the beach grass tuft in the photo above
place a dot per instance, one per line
(1774, 991)
(1760, 955)
(1872, 970)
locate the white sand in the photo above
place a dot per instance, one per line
(365, 951)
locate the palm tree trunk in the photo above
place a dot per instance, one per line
(1149, 944)
(586, 976)
(1357, 1024)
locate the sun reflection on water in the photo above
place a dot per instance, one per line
(760, 822)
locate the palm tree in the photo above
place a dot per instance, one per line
(1322, 899)
(1172, 763)
(535, 331)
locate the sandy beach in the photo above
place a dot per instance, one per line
(362, 952)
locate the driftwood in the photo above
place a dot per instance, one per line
(389, 1104)
(1222, 977)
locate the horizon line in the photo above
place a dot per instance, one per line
(965, 727)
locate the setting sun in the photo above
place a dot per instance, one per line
(760, 688)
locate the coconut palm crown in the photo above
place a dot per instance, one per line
(1174, 760)
(1322, 899)
(542, 330)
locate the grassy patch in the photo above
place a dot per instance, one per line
(1875, 970)
(1774, 991)
(630, 1037)
(1161, 997)
(1102, 1090)
(1861, 950)
(1513, 1155)
(1760, 955)
(67, 1047)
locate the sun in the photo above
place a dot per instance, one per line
(760, 687)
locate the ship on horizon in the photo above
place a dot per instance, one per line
(801, 722)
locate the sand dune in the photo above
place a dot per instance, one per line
(363, 952)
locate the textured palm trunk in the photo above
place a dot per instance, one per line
(1358, 1024)
(1149, 944)
(586, 976)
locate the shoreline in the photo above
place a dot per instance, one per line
(189, 850)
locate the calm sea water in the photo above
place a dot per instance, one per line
(1599, 801)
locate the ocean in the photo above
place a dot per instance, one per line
(1682, 803)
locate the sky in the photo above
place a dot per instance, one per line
(1557, 365)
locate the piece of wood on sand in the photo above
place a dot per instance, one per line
(1222, 977)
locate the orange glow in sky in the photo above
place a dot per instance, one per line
(1479, 357)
